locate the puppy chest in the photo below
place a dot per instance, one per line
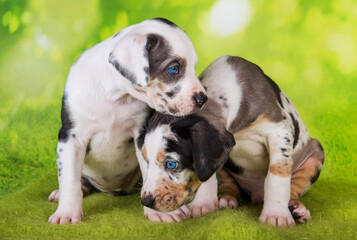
(109, 160)
(250, 152)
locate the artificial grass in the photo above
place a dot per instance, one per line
(306, 47)
(24, 215)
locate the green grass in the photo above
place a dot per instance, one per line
(307, 48)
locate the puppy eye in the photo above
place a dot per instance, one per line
(171, 165)
(173, 70)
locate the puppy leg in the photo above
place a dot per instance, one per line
(229, 193)
(311, 159)
(87, 189)
(179, 215)
(70, 161)
(206, 199)
(277, 182)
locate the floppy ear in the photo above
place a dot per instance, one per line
(210, 148)
(130, 57)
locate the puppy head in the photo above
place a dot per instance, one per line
(181, 153)
(158, 60)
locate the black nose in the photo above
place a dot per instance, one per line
(200, 99)
(148, 200)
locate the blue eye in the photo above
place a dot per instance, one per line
(171, 165)
(173, 70)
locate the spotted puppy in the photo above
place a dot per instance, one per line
(274, 160)
(106, 99)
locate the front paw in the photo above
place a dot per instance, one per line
(54, 196)
(277, 218)
(199, 209)
(179, 215)
(227, 201)
(63, 217)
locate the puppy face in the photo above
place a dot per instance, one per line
(180, 155)
(159, 60)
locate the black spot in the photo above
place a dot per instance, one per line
(115, 35)
(61, 150)
(296, 129)
(122, 70)
(172, 110)
(287, 139)
(173, 92)
(166, 188)
(146, 70)
(170, 178)
(231, 166)
(283, 149)
(73, 135)
(67, 124)
(285, 155)
(164, 20)
(159, 94)
(287, 99)
(276, 90)
(88, 148)
(316, 176)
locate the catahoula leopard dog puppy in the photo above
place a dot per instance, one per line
(274, 160)
(106, 99)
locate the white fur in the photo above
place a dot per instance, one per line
(107, 110)
(227, 86)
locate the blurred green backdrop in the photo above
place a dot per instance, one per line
(307, 47)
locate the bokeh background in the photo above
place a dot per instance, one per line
(307, 47)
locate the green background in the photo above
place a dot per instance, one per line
(308, 48)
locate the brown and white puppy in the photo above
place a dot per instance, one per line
(274, 159)
(106, 100)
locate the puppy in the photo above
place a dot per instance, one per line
(106, 99)
(274, 160)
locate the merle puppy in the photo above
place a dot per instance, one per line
(274, 160)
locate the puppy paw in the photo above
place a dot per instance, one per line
(179, 215)
(63, 217)
(277, 218)
(199, 209)
(54, 196)
(300, 213)
(227, 201)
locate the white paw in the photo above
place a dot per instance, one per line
(199, 209)
(63, 217)
(54, 196)
(227, 201)
(179, 215)
(277, 218)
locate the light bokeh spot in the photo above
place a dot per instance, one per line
(228, 17)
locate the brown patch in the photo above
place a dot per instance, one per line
(282, 169)
(259, 120)
(228, 187)
(143, 152)
(172, 195)
(307, 166)
(160, 156)
(161, 87)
